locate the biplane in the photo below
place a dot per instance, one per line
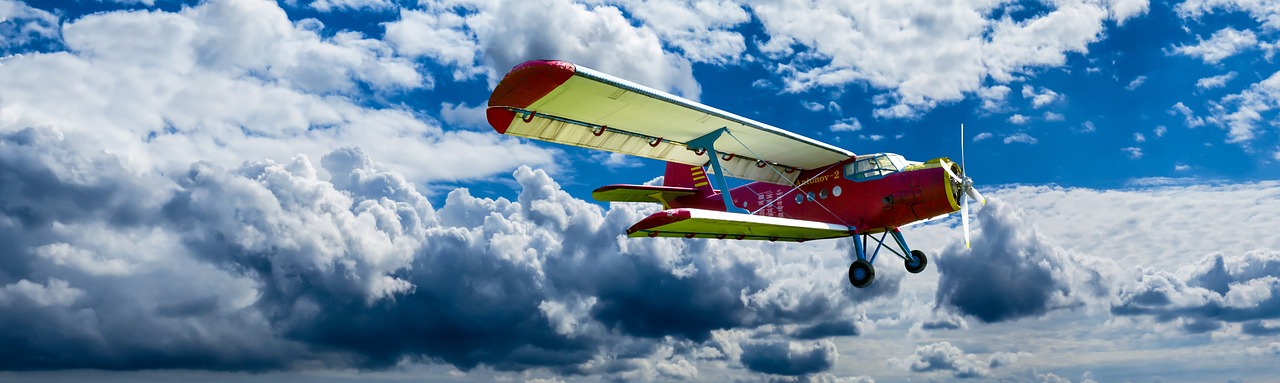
(800, 189)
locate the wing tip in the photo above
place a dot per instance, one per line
(522, 86)
(530, 81)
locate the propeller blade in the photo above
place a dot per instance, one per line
(973, 192)
(953, 175)
(964, 219)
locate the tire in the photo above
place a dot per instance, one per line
(916, 267)
(861, 273)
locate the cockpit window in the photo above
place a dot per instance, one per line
(874, 166)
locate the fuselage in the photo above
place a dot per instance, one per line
(870, 193)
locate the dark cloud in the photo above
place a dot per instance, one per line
(1259, 328)
(1206, 295)
(827, 329)
(270, 266)
(790, 358)
(1011, 271)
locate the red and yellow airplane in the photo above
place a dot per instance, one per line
(803, 189)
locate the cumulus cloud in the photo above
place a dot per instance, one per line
(272, 266)
(464, 116)
(336, 5)
(1244, 113)
(227, 80)
(923, 54)
(1012, 272)
(943, 356)
(1041, 97)
(24, 28)
(700, 29)
(1204, 296)
(485, 36)
(994, 98)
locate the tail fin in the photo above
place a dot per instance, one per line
(690, 176)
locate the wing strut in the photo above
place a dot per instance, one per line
(708, 143)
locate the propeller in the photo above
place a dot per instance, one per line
(965, 184)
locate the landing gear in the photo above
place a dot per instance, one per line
(916, 265)
(861, 273)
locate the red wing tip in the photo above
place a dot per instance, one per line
(524, 85)
(546, 64)
(660, 219)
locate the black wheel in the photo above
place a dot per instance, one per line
(919, 264)
(861, 273)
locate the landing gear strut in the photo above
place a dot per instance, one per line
(861, 273)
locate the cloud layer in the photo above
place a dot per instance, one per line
(267, 266)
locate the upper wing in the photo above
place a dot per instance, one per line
(560, 102)
(699, 223)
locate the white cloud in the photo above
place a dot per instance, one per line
(441, 36)
(1181, 167)
(1215, 81)
(1224, 43)
(472, 36)
(943, 356)
(1019, 119)
(813, 106)
(1088, 126)
(1137, 82)
(463, 116)
(332, 5)
(923, 53)
(700, 29)
(1245, 112)
(1133, 152)
(994, 98)
(1021, 138)
(1039, 99)
(1160, 131)
(55, 293)
(1265, 11)
(1139, 137)
(1051, 116)
(982, 136)
(63, 254)
(615, 160)
(235, 79)
(1189, 117)
(850, 124)
(21, 24)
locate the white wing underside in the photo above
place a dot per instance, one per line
(598, 111)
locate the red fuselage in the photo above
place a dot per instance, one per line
(869, 204)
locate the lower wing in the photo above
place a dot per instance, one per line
(700, 223)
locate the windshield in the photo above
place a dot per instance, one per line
(874, 166)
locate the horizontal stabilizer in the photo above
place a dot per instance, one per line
(640, 193)
(700, 223)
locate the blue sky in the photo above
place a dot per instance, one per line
(232, 190)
